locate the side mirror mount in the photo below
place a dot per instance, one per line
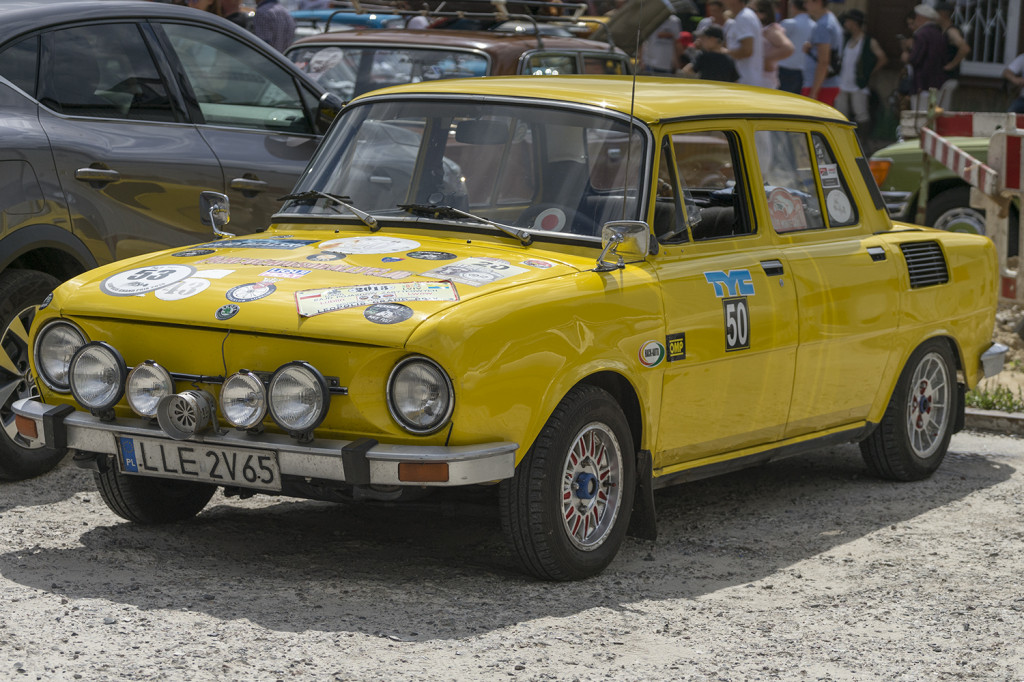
(215, 212)
(627, 241)
(328, 109)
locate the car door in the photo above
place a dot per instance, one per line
(129, 162)
(729, 303)
(254, 114)
(843, 276)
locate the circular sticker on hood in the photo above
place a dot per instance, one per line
(387, 313)
(183, 289)
(253, 291)
(367, 245)
(432, 255)
(226, 312)
(651, 354)
(143, 280)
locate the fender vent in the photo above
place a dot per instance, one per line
(925, 264)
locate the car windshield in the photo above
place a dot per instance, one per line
(349, 71)
(542, 168)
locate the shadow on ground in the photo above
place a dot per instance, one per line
(429, 570)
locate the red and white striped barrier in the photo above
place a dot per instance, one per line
(959, 123)
(974, 172)
(1004, 155)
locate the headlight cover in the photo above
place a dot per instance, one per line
(54, 347)
(420, 395)
(298, 398)
(147, 384)
(97, 376)
(243, 400)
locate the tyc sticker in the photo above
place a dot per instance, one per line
(651, 354)
(731, 282)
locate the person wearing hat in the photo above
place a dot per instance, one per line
(957, 49)
(926, 54)
(713, 61)
(862, 58)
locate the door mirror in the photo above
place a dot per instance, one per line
(215, 211)
(328, 110)
(625, 241)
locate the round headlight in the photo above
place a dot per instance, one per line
(97, 376)
(54, 348)
(420, 395)
(147, 384)
(243, 400)
(298, 397)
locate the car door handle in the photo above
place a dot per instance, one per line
(97, 175)
(772, 268)
(248, 185)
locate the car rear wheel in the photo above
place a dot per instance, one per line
(913, 436)
(150, 501)
(21, 292)
(566, 510)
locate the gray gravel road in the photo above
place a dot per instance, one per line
(804, 569)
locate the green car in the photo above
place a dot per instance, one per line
(898, 169)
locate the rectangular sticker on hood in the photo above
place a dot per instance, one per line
(318, 301)
(476, 271)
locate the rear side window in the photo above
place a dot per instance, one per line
(19, 64)
(550, 65)
(790, 180)
(235, 85)
(104, 71)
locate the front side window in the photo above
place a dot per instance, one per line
(713, 192)
(542, 168)
(348, 71)
(235, 85)
(104, 71)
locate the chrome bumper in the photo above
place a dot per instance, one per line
(59, 427)
(993, 359)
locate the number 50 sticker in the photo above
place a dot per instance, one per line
(737, 323)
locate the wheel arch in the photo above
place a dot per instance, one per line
(623, 392)
(46, 248)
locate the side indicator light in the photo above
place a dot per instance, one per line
(27, 427)
(423, 472)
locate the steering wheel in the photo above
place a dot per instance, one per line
(555, 218)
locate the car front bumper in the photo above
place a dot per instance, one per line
(358, 462)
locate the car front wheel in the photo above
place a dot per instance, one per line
(149, 501)
(21, 292)
(911, 440)
(566, 510)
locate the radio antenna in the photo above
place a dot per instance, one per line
(632, 101)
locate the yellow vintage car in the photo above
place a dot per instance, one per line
(567, 291)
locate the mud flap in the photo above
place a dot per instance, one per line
(643, 524)
(959, 417)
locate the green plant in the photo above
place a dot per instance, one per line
(999, 398)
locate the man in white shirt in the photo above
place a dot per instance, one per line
(658, 54)
(798, 29)
(744, 44)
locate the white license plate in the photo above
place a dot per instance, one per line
(203, 462)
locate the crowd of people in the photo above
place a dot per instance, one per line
(271, 21)
(814, 52)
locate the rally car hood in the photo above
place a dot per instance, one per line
(351, 285)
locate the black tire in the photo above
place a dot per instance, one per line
(541, 503)
(911, 441)
(21, 292)
(150, 501)
(951, 210)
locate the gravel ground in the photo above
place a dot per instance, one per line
(804, 569)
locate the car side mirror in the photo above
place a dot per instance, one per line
(628, 241)
(328, 109)
(215, 211)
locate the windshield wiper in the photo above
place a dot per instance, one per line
(450, 212)
(342, 201)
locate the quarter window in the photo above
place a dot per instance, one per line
(20, 62)
(104, 71)
(235, 85)
(839, 205)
